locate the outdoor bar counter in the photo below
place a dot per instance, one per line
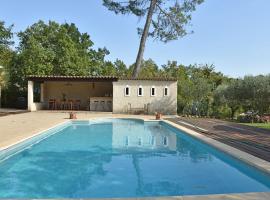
(100, 104)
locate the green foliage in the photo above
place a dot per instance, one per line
(6, 54)
(195, 87)
(109, 69)
(170, 18)
(97, 61)
(121, 68)
(252, 93)
(228, 95)
(58, 49)
(148, 69)
(255, 92)
(166, 20)
(5, 35)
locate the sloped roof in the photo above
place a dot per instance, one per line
(71, 78)
(93, 78)
(149, 79)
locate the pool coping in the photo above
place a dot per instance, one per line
(20, 145)
(238, 154)
(232, 196)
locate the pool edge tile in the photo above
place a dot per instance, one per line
(237, 196)
(16, 147)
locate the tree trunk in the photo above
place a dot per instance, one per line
(139, 58)
(233, 112)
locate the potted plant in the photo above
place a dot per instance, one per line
(72, 115)
(158, 115)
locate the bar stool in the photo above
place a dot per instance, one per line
(109, 105)
(89, 105)
(102, 105)
(96, 105)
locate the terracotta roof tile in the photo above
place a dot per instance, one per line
(149, 79)
(71, 78)
(93, 78)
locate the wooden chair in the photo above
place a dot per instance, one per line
(52, 104)
(70, 104)
(63, 105)
(57, 104)
(77, 104)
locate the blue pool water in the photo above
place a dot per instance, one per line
(124, 158)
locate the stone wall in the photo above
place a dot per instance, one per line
(157, 103)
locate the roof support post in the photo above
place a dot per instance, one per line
(30, 95)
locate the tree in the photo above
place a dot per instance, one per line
(55, 49)
(230, 95)
(121, 68)
(166, 20)
(148, 69)
(5, 35)
(109, 69)
(256, 93)
(6, 52)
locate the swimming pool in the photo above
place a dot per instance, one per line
(123, 158)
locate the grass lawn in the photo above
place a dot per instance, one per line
(259, 125)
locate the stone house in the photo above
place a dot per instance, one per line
(103, 94)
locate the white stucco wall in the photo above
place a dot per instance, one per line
(158, 103)
(30, 96)
(33, 106)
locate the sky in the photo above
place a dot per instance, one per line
(234, 35)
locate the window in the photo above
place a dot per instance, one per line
(153, 91)
(126, 141)
(152, 140)
(140, 91)
(140, 141)
(127, 91)
(166, 91)
(165, 141)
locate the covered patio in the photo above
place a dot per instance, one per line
(70, 93)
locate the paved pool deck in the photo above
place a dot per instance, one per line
(11, 111)
(15, 128)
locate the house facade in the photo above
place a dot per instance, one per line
(103, 93)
